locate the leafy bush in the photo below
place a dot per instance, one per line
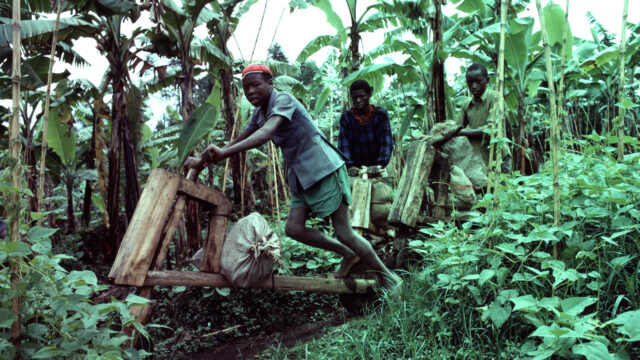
(57, 316)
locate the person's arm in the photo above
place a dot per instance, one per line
(386, 142)
(344, 137)
(472, 133)
(461, 120)
(246, 140)
(243, 135)
(257, 138)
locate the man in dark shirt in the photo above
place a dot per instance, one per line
(365, 132)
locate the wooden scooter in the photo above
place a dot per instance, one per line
(145, 245)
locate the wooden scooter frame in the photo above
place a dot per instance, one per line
(153, 226)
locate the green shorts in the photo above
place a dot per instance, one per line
(324, 197)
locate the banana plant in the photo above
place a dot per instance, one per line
(347, 39)
(174, 37)
(66, 169)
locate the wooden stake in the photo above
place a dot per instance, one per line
(554, 125)
(563, 56)
(273, 161)
(621, 92)
(14, 144)
(498, 111)
(45, 120)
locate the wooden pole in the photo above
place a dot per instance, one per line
(14, 144)
(282, 283)
(563, 56)
(554, 125)
(43, 149)
(621, 97)
(498, 118)
(438, 65)
(273, 160)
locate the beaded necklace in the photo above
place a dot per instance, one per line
(362, 119)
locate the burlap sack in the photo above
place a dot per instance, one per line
(250, 250)
(460, 153)
(461, 188)
(381, 201)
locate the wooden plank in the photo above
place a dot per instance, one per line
(361, 202)
(217, 230)
(283, 283)
(169, 232)
(418, 187)
(441, 190)
(217, 223)
(143, 234)
(415, 178)
(406, 179)
(203, 193)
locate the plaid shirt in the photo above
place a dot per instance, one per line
(369, 144)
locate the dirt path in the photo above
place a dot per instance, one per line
(247, 349)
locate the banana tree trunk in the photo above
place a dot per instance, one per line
(354, 47)
(43, 148)
(88, 187)
(226, 81)
(132, 191)
(71, 218)
(438, 66)
(113, 189)
(186, 88)
(31, 174)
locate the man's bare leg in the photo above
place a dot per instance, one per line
(361, 247)
(296, 229)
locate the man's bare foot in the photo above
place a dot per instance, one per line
(392, 284)
(346, 265)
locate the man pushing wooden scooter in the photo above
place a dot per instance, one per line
(318, 181)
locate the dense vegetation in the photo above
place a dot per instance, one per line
(534, 273)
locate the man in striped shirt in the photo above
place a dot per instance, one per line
(365, 132)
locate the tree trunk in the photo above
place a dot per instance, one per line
(186, 88)
(438, 66)
(43, 149)
(113, 190)
(237, 163)
(355, 46)
(88, 188)
(71, 218)
(31, 173)
(132, 190)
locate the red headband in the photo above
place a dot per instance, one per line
(255, 68)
